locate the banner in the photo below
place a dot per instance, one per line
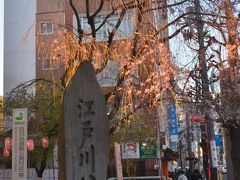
(19, 144)
(130, 150)
(214, 154)
(173, 119)
(173, 125)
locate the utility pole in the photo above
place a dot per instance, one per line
(205, 86)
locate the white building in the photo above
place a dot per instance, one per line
(19, 42)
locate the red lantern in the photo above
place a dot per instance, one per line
(196, 119)
(6, 152)
(8, 143)
(45, 142)
(30, 145)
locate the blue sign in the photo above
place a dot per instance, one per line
(173, 129)
(174, 146)
(218, 140)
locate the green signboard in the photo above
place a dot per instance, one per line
(147, 150)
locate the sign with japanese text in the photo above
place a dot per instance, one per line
(218, 139)
(173, 129)
(19, 144)
(214, 154)
(86, 127)
(148, 150)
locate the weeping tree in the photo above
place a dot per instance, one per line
(133, 36)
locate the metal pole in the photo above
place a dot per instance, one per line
(4, 168)
(28, 165)
(208, 154)
(156, 16)
(159, 146)
(180, 150)
(198, 137)
(189, 142)
(53, 163)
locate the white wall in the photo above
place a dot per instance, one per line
(19, 42)
(1, 46)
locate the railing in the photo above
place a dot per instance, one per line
(140, 177)
(52, 174)
(48, 174)
(5, 174)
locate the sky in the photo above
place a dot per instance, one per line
(1, 47)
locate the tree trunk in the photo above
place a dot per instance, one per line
(235, 153)
(42, 168)
(203, 145)
(42, 164)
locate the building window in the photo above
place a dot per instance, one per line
(86, 27)
(46, 27)
(49, 64)
(124, 31)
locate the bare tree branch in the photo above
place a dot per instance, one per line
(98, 10)
(79, 27)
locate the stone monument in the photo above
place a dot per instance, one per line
(86, 127)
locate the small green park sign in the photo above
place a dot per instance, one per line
(148, 151)
(19, 116)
